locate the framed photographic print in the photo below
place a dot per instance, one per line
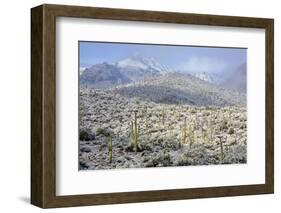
(136, 106)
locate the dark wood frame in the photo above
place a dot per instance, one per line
(43, 105)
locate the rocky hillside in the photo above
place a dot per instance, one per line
(102, 76)
(178, 88)
(213, 78)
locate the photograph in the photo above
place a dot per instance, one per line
(161, 105)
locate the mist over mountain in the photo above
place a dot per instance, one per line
(213, 78)
(237, 79)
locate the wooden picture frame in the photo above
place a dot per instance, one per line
(43, 105)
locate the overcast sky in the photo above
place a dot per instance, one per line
(183, 58)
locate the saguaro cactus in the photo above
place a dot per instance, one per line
(183, 133)
(221, 149)
(110, 149)
(190, 136)
(229, 117)
(134, 132)
(204, 134)
(145, 112)
(163, 116)
(210, 137)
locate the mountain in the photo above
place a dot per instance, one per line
(237, 80)
(137, 68)
(103, 76)
(148, 79)
(127, 70)
(179, 88)
(213, 78)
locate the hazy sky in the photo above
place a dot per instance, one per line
(184, 58)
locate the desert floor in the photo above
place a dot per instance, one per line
(120, 132)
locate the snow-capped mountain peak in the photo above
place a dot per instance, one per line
(144, 63)
(154, 64)
(131, 62)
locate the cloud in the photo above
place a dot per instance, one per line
(203, 64)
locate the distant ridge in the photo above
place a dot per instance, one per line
(182, 89)
(150, 80)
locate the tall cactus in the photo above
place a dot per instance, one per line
(184, 130)
(132, 134)
(135, 132)
(210, 135)
(221, 149)
(145, 116)
(229, 117)
(204, 134)
(183, 133)
(110, 149)
(190, 136)
(163, 116)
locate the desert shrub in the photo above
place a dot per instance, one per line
(212, 108)
(104, 132)
(230, 131)
(138, 148)
(236, 154)
(86, 135)
(243, 126)
(83, 165)
(183, 161)
(85, 149)
(193, 111)
(206, 113)
(163, 159)
(171, 144)
(243, 119)
(223, 125)
(145, 147)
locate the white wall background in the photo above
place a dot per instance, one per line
(15, 104)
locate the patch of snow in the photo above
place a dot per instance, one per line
(144, 63)
(131, 62)
(82, 69)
